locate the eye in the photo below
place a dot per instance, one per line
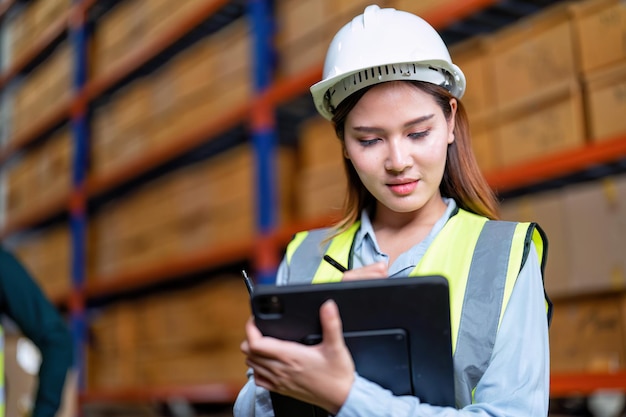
(369, 142)
(418, 135)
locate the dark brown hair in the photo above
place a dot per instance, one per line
(462, 179)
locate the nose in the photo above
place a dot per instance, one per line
(398, 158)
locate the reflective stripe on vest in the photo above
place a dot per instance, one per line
(481, 260)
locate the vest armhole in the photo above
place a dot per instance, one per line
(532, 229)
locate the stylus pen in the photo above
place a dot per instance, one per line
(247, 280)
(334, 263)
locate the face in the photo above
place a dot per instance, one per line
(397, 139)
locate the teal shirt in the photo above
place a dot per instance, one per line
(23, 302)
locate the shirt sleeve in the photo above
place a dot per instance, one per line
(23, 301)
(254, 401)
(515, 384)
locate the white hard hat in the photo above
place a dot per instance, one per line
(384, 45)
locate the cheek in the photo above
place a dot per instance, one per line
(435, 157)
(364, 160)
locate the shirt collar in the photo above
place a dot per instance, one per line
(366, 238)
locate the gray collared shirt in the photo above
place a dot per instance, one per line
(367, 251)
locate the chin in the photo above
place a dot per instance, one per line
(405, 208)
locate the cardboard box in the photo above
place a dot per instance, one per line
(600, 33)
(318, 144)
(55, 166)
(532, 54)
(118, 33)
(306, 28)
(207, 204)
(596, 243)
(605, 102)
(297, 19)
(586, 335)
(162, 15)
(619, 206)
(183, 336)
(548, 122)
(484, 144)
(321, 191)
(474, 58)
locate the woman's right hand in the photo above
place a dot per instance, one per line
(372, 271)
(321, 374)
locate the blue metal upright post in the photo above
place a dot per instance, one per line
(264, 139)
(78, 215)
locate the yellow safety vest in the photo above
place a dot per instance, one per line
(470, 251)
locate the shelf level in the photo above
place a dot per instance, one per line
(585, 383)
(218, 393)
(558, 165)
(54, 206)
(55, 116)
(174, 147)
(97, 86)
(169, 270)
(533, 172)
(51, 33)
(152, 48)
(561, 385)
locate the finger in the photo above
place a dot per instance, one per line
(262, 376)
(265, 346)
(372, 271)
(332, 328)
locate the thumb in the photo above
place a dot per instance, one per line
(332, 328)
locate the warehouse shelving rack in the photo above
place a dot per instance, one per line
(260, 117)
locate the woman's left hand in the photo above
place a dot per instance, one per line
(321, 374)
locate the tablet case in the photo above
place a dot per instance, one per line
(397, 330)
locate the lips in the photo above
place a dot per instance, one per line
(403, 188)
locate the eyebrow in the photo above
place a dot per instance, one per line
(410, 123)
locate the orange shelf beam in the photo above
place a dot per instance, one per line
(169, 269)
(585, 383)
(217, 393)
(152, 48)
(555, 166)
(289, 88)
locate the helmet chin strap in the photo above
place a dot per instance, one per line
(383, 73)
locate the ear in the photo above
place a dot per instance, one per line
(452, 121)
(345, 151)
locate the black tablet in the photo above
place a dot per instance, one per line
(397, 330)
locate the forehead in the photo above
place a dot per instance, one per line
(393, 101)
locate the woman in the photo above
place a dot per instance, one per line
(417, 204)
